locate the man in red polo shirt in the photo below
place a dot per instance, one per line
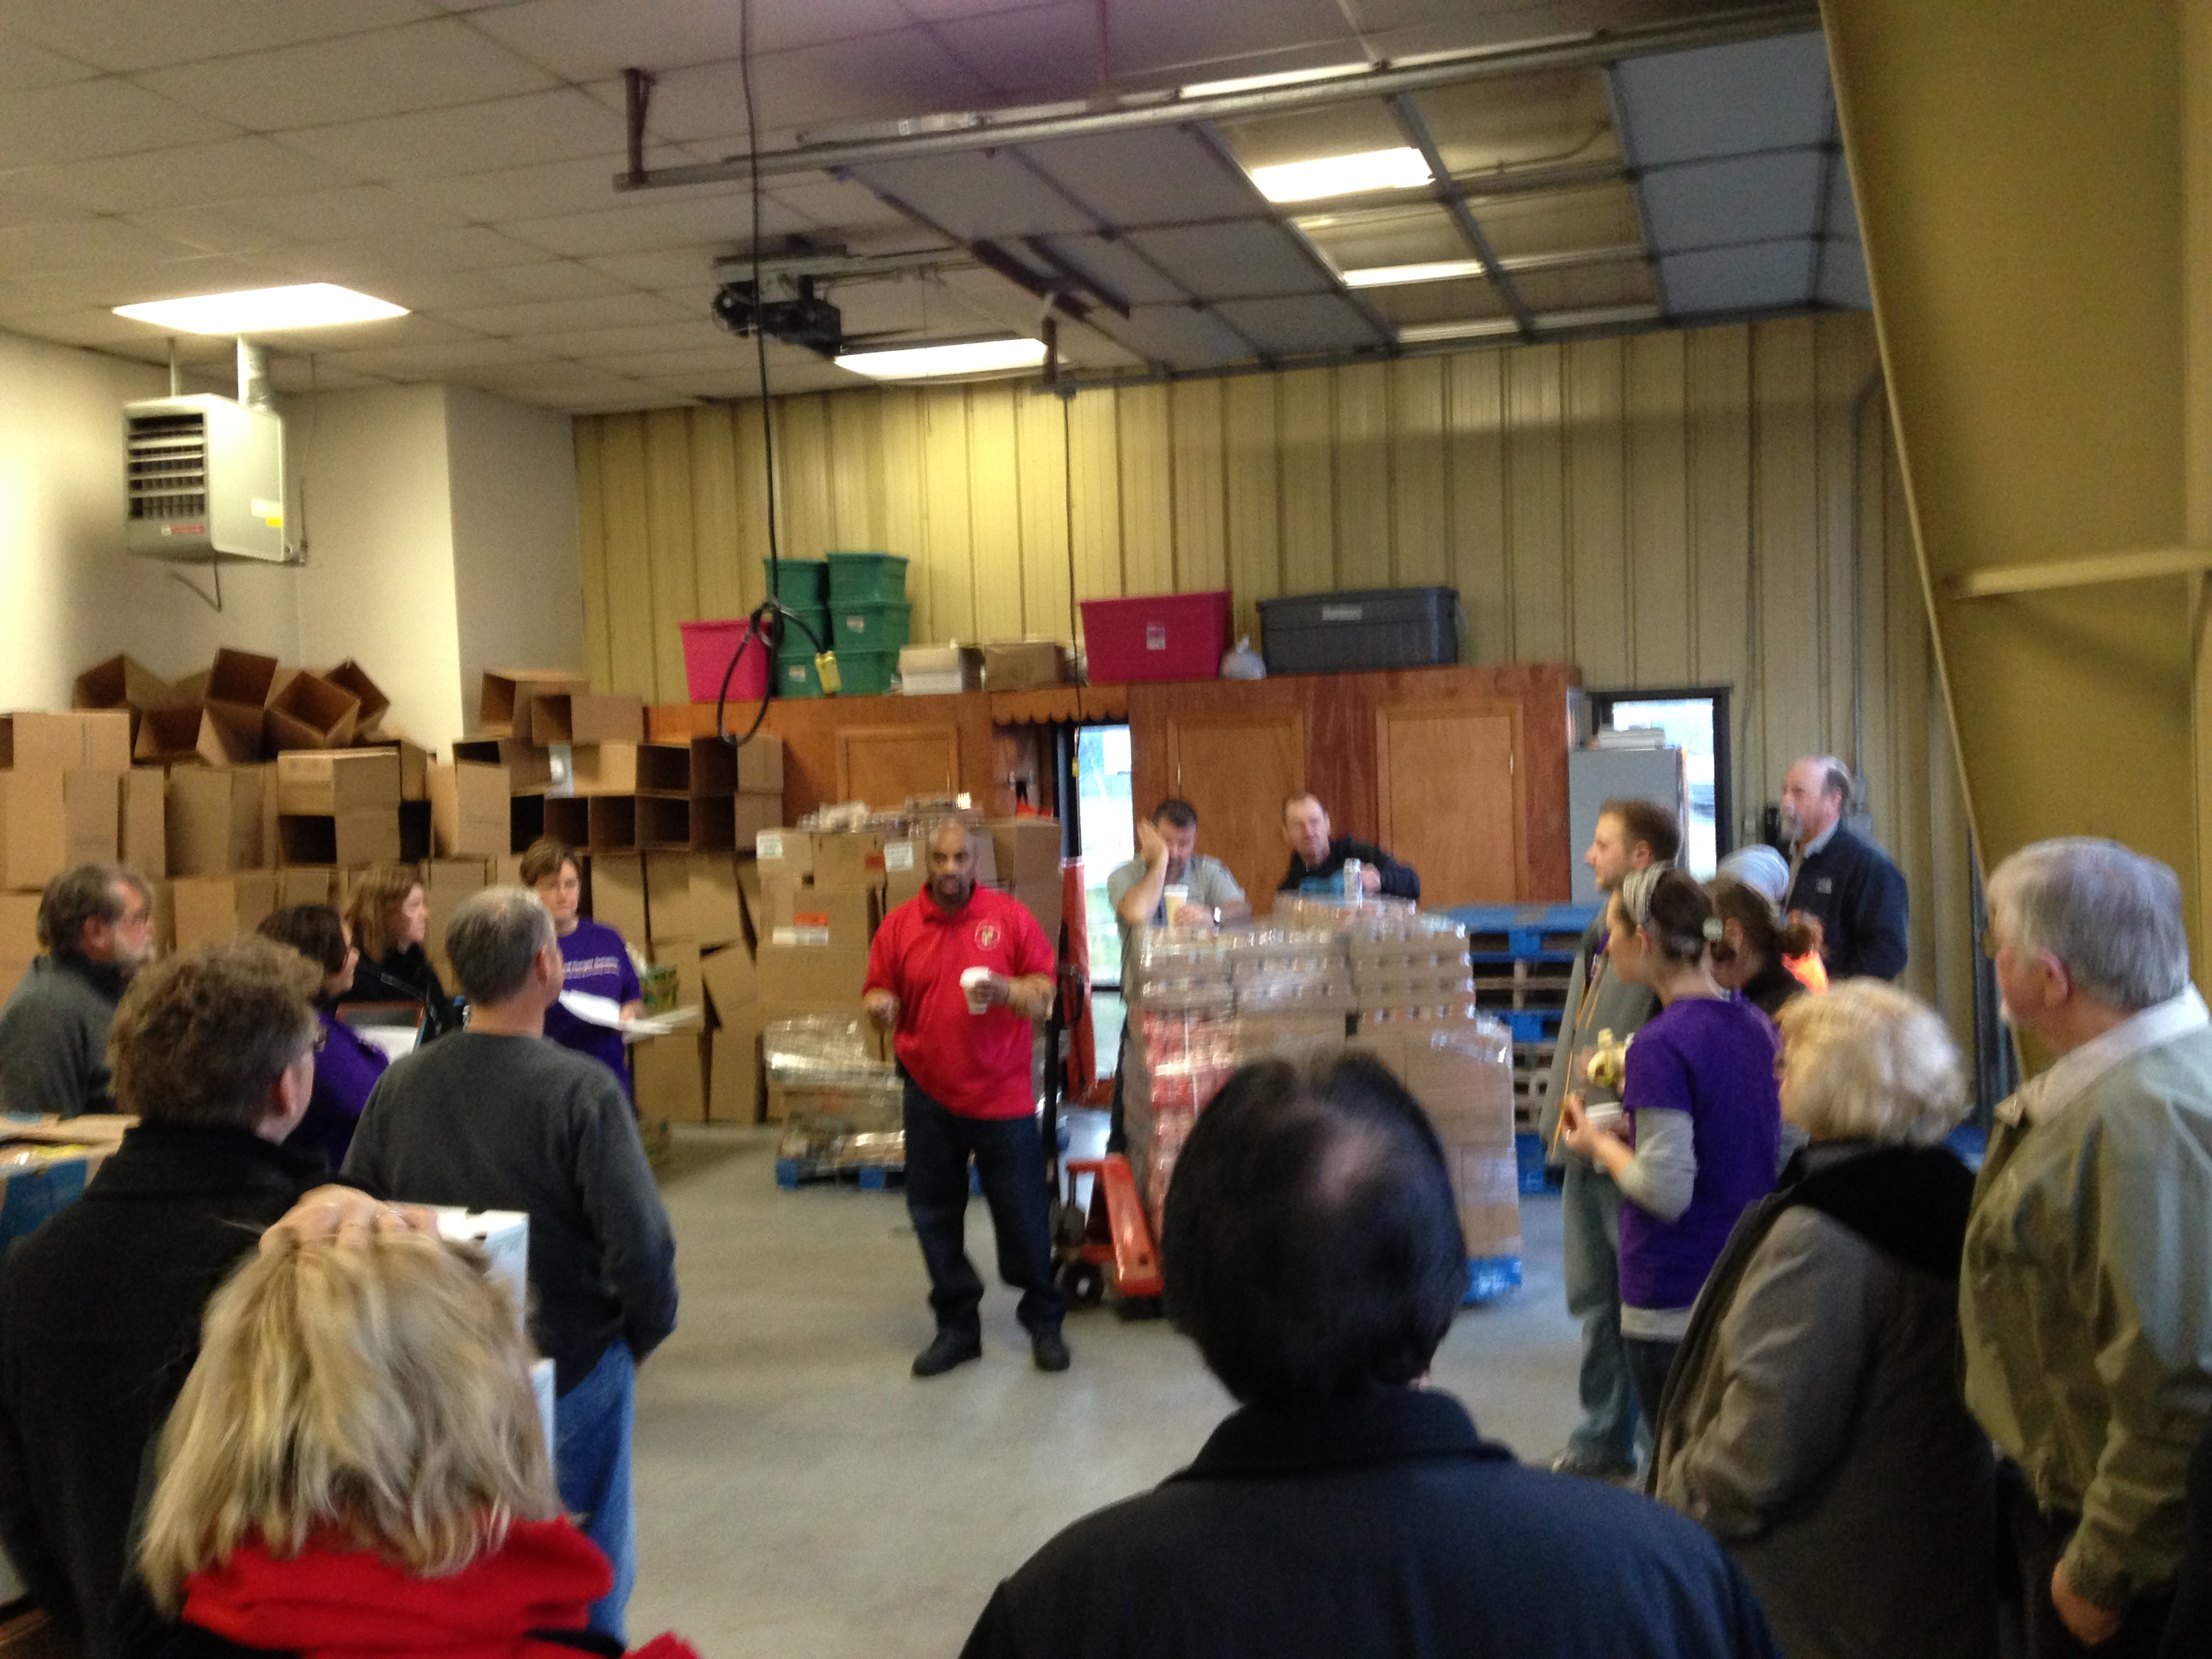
(965, 1049)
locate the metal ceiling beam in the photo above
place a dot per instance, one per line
(1463, 217)
(988, 132)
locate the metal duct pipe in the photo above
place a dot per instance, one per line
(254, 390)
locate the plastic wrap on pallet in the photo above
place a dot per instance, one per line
(818, 1047)
(883, 1149)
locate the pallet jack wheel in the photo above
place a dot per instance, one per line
(1083, 1283)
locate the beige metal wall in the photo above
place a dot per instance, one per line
(1674, 508)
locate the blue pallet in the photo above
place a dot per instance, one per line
(1536, 1176)
(1525, 927)
(1489, 1277)
(1531, 1024)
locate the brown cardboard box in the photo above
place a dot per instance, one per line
(1486, 1182)
(351, 678)
(52, 820)
(1023, 664)
(470, 810)
(368, 835)
(87, 740)
(122, 683)
(813, 973)
(243, 678)
(682, 955)
(230, 734)
(734, 1090)
(668, 896)
(855, 859)
(670, 1076)
(729, 982)
(528, 769)
(666, 824)
(213, 819)
(503, 709)
(212, 908)
(322, 782)
(759, 765)
(748, 890)
(619, 894)
(586, 717)
(1027, 851)
(317, 885)
(446, 885)
(717, 910)
(142, 840)
(784, 853)
(627, 768)
(817, 915)
(507, 870)
(308, 712)
(167, 734)
(602, 823)
(414, 770)
(19, 927)
(906, 871)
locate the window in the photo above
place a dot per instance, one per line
(1696, 721)
(1107, 823)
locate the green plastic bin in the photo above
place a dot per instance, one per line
(794, 640)
(864, 578)
(866, 673)
(877, 626)
(795, 676)
(802, 584)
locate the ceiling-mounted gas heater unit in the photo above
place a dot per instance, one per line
(204, 476)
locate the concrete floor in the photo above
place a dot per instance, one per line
(798, 1492)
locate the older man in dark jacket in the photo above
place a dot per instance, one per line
(1313, 1250)
(96, 923)
(1842, 881)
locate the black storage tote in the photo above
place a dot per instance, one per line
(1371, 628)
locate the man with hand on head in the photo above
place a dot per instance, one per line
(961, 974)
(97, 922)
(1842, 881)
(1318, 856)
(1631, 835)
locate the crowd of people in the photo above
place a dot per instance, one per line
(1840, 1395)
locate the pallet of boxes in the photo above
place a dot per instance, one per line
(1378, 978)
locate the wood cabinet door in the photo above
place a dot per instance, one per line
(1235, 769)
(1449, 782)
(883, 765)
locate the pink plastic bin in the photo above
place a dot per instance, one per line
(1155, 636)
(707, 649)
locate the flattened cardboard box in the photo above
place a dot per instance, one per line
(729, 982)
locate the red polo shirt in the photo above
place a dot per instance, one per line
(976, 1065)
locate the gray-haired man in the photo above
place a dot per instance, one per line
(2085, 1309)
(97, 922)
(494, 1117)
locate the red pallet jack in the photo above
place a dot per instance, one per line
(1112, 1250)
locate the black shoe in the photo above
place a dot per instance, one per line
(949, 1349)
(1049, 1349)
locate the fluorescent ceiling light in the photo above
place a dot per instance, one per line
(1476, 328)
(955, 357)
(1279, 78)
(1436, 271)
(1342, 175)
(264, 310)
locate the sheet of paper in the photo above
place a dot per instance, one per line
(593, 1010)
(393, 1041)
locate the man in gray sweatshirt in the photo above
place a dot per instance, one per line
(1631, 835)
(96, 923)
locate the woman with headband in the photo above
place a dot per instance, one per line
(1695, 1141)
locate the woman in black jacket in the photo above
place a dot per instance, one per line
(389, 916)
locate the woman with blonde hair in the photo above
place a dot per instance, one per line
(389, 918)
(1814, 1423)
(357, 1465)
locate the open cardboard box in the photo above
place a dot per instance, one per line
(504, 705)
(308, 712)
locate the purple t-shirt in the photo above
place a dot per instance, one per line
(346, 1068)
(1714, 1060)
(597, 964)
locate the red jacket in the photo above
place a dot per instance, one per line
(334, 1600)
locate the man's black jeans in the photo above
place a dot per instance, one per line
(1010, 1162)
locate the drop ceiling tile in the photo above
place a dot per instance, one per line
(954, 11)
(126, 281)
(351, 213)
(1151, 176)
(1248, 261)
(526, 192)
(218, 228)
(1177, 335)
(878, 76)
(413, 330)
(80, 245)
(96, 118)
(1120, 268)
(437, 361)
(1174, 34)
(227, 170)
(1032, 52)
(563, 124)
(644, 223)
(296, 375)
(1725, 101)
(1319, 322)
(663, 270)
(1756, 278)
(24, 66)
(1843, 277)
(1713, 203)
(81, 326)
(522, 321)
(977, 195)
(430, 249)
(699, 334)
(840, 205)
(127, 35)
(591, 40)
(382, 72)
(556, 279)
(652, 365)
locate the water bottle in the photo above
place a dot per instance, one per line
(1355, 886)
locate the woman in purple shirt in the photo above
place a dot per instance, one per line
(346, 1067)
(597, 960)
(1703, 1117)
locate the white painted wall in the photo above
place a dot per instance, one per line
(518, 561)
(69, 595)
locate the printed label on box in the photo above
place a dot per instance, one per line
(768, 844)
(899, 856)
(801, 935)
(1342, 612)
(1155, 636)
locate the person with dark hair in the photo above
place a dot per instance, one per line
(1318, 857)
(1702, 1119)
(389, 917)
(214, 1052)
(1312, 1251)
(1752, 955)
(495, 1118)
(96, 924)
(595, 962)
(1840, 879)
(346, 1067)
(1629, 836)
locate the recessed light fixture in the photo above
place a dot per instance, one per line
(1342, 175)
(1436, 271)
(264, 310)
(953, 357)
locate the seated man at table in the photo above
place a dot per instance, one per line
(1316, 856)
(1313, 1250)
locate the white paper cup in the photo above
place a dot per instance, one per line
(972, 981)
(1173, 899)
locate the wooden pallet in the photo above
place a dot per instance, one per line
(1522, 986)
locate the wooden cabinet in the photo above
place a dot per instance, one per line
(1448, 784)
(884, 765)
(1231, 766)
